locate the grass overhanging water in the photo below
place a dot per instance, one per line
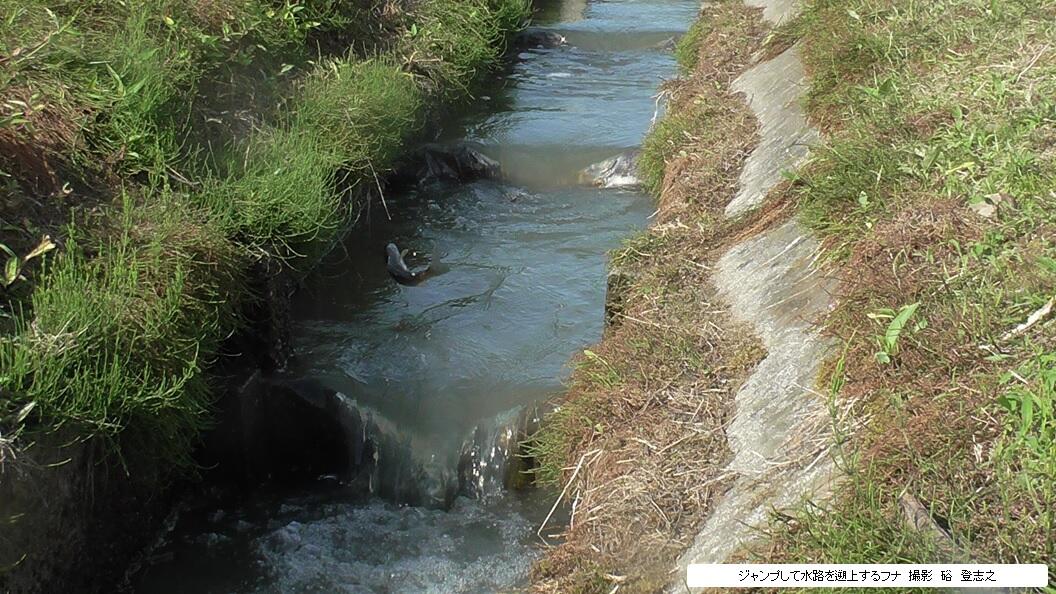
(147, 140)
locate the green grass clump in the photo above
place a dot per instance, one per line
(663, 142)
(137, 93)
(1026, 452)
(452, 43)
(282, 194)
(111, 336)
(350, 122)
(366, 110)
(687, 50)
(113, 86)
(123, 325)
(724, 36)
(554, 443)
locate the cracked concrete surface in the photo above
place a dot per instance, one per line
(779, 434)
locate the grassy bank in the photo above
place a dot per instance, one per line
(933, 194)
(153, 151)
(935, 197)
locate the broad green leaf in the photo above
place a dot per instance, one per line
(11, 270)
(1027, 412)
(894, 329)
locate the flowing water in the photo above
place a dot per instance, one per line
(433, 375)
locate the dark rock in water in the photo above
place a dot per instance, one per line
(620, 171)
(298, 430)
(538, 38)
(451, 163)
(295, 431)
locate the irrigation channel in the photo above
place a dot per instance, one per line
(432, 375)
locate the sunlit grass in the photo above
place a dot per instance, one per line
(123, 324)
(937, 186)
(101, 107)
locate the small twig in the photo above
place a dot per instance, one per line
(646, 322)
(656, 105)
(380, 193)
(644, 442)
(1033, 61)
(563, 492)
(1038, 315)
(572, 516)
(676, 442)
(176, 175)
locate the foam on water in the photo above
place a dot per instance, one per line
(319, 543)
(379, 547)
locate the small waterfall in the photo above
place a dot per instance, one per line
(491, 460)
(414, 399)
(370, 454)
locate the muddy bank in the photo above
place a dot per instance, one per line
(74, 517)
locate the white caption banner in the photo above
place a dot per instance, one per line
(867, 576)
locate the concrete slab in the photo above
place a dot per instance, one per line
(780, 432)
(775, 91)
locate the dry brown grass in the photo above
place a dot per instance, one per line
(638, 442)
(34, 149)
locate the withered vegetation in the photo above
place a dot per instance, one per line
(934, 195)
(636, 445)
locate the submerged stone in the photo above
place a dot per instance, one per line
(538, 38)
(620, 171)
(460, 162)
(667, 45)
(295, 431)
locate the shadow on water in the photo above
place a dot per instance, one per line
(397, 421)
